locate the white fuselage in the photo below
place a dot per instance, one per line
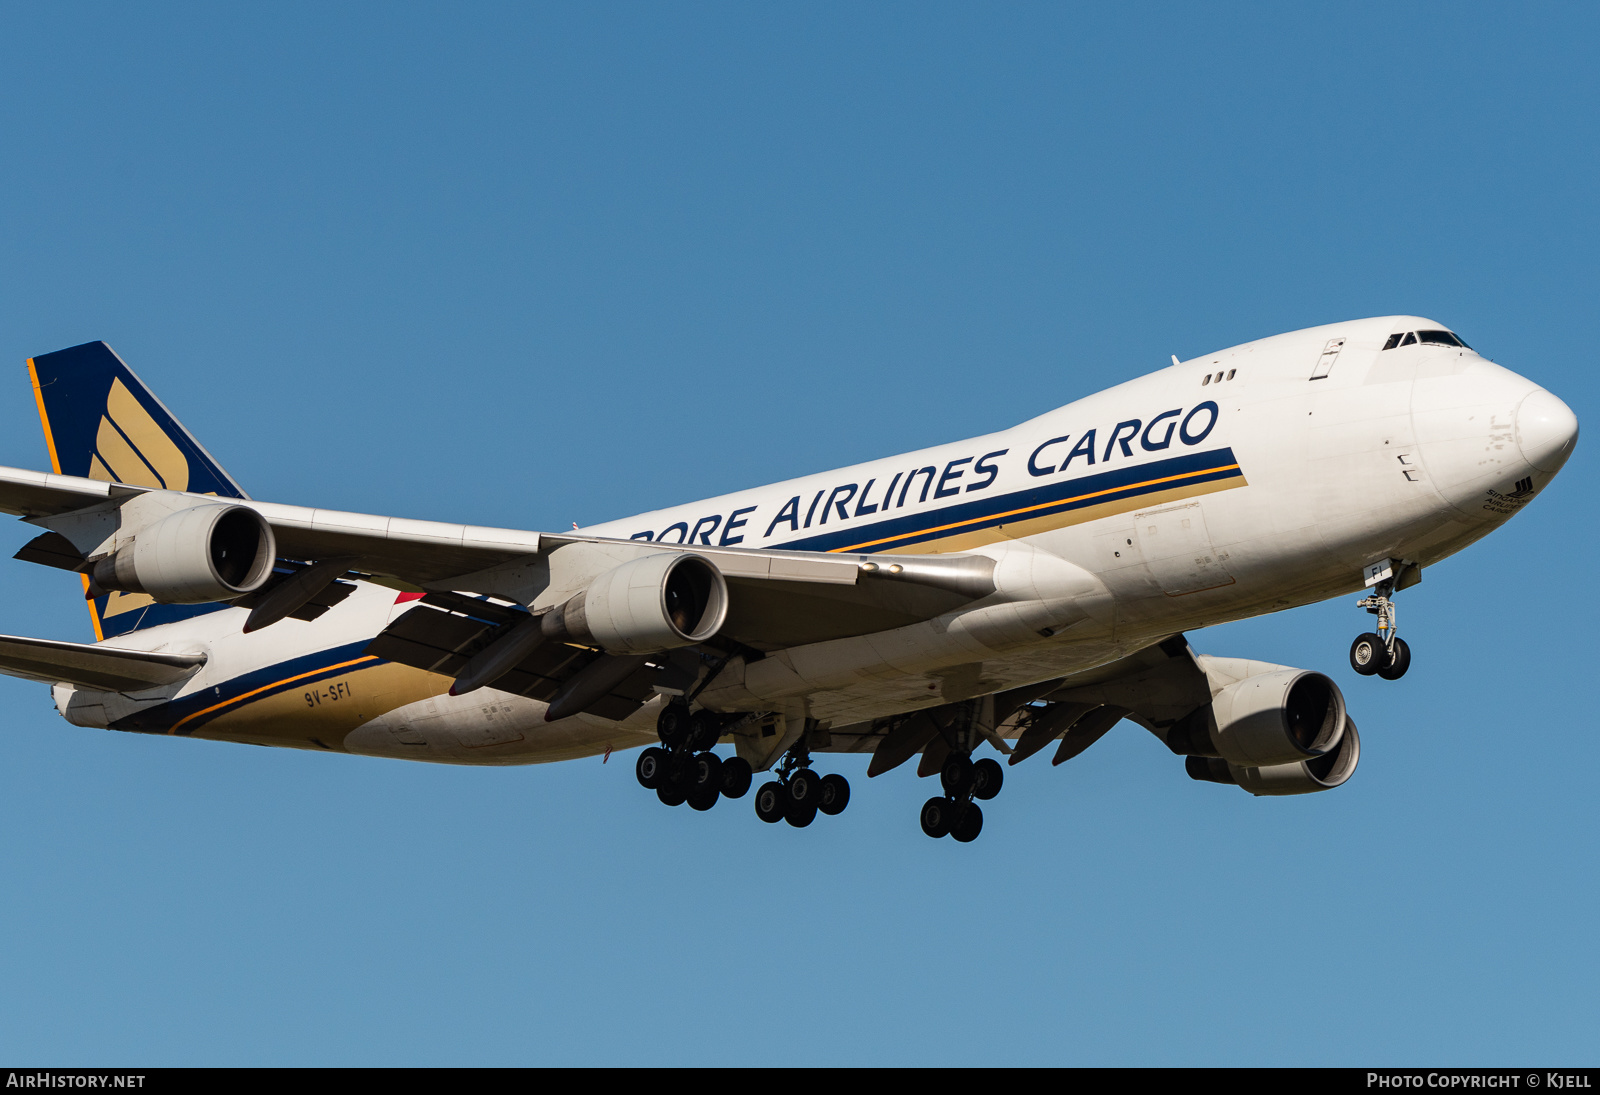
(1216, 489)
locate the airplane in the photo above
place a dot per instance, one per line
(1028, 588)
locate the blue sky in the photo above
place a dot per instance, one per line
(528, 265)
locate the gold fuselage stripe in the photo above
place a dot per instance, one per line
(267, 688)
(1044, 505)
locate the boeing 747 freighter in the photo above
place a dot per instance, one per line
(1001, 595)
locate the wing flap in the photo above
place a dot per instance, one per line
(51, 549)
(444, 631)
(89, 666)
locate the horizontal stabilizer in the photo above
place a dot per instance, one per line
(89, 666)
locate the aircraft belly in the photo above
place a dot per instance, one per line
(495, 728)
(866, 701)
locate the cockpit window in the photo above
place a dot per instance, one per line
(1427, 338)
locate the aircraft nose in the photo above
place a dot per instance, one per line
(1547, 430)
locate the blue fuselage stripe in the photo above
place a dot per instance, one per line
(1043, 500)
(294, 673)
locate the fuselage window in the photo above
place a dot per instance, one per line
(1206, 381)
(1231, 372)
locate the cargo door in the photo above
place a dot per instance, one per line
(1178, 551)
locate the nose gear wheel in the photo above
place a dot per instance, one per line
(1382, 652)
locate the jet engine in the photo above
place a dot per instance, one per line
(1279, 717)
(1302, 777)
(650, 604)
(208, 552)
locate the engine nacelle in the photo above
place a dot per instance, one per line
(1302, 777)
(650, 604)
(1278, 717)
(208, 552)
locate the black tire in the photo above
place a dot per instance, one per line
(805, 788)
(705, 727)
(987, 776)
(651, 768)
(800, 814)
(671, 794)
(935, 817)
(672, 725)
(704, 800)
(968, 825)
(736, 776)
(834, 795)
(956, 775)
(704, 774)
(1367, 654)
(1399, 662)
(770, 801)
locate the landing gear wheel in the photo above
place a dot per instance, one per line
(1398, 663)
(956, 775)
(651, 768)
(770, 801)
(800, 814)
(805, 788)
(736, 776)
(1367, 654)
(704, 774)
(834, 794)
(936, 817)
(705, 727)
(671, 794)
(969, 825)
(987, 775)
(672, 725)
(704, 800)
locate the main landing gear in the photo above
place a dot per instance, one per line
(955, 813)
(685, 769)
(799, 794)
(1382, 652)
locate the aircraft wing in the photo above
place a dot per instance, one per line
(93, 666)
(1153, 687)
(778, 598)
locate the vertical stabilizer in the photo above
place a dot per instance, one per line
(102, 422)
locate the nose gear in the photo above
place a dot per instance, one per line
(1382, 652)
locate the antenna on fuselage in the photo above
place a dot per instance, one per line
(1175, 360)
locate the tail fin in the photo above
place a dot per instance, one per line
(101, 422)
